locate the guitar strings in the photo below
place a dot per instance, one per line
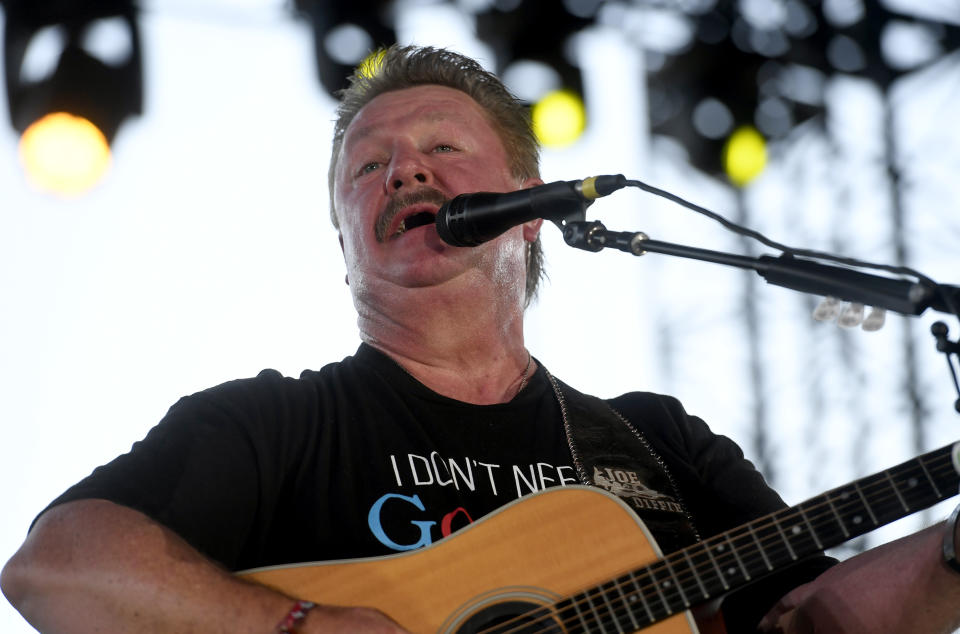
(600, 591)
(586, 608)
(649, 572)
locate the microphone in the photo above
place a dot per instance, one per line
(472, 219)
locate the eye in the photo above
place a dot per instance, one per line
(369, 167)
(443, 147)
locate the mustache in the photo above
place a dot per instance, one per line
(399, 202)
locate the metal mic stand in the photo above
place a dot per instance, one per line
(800, 274)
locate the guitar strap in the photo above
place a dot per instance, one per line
(610, 453)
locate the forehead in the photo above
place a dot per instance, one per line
(420, 104)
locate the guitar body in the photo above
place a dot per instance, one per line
(532, 552)
(576, 559)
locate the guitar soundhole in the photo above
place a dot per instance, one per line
(515, 617)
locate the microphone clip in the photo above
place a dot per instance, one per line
(583, 235)
(593, 236)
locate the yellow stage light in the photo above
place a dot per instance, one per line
(744, 155)
(64, 154)
(371, 64)
(559, 118)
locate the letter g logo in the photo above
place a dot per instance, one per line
(373, 520)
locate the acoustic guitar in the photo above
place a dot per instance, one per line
(577, 559)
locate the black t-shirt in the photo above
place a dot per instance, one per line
(360, 459)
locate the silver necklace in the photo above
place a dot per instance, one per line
(524, 376)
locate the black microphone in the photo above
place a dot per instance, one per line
(472, 219)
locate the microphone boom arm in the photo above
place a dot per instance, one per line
(807, 276)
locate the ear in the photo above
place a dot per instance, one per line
(531, 229)
(531, 182)
(346, 278)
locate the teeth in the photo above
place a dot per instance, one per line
(401, 228)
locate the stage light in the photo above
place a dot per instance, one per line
(541, 64)
(744, 155)
(371, 64)
(64, 154)
(69, 109)
(530, 80)
(344, 34)
(559, 118)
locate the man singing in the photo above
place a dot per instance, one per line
(440, 418)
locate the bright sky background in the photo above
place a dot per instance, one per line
(207, 255)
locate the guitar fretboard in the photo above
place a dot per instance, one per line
(721, 563)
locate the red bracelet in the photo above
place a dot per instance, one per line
(294, 617)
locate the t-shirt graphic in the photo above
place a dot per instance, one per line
(435, 496)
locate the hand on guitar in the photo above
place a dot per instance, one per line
(788, 617)
(329, 618)
(901, 587)
(56, 580)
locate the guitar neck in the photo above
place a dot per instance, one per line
(732, 559)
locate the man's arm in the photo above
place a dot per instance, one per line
(900, 587)
(94, 566)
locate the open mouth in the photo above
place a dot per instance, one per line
(414, 221)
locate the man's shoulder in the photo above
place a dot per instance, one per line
(649, 404)
(662, 418)
(270, 378)
(271, 385)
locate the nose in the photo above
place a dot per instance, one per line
(407, 170)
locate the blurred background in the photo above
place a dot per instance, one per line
(178, 237)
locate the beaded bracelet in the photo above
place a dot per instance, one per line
(294, 617)
(949, 551)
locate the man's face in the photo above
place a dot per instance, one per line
(403, 155)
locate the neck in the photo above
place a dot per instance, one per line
(469, 348)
